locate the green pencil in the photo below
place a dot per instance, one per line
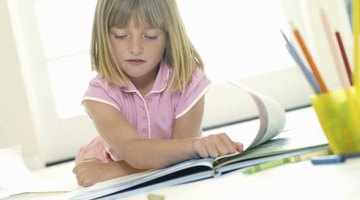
(292, 159)
(266, 165)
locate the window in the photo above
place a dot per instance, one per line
(232, 36)
(229, 42)
(65, 38)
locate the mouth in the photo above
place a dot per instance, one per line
(135, 61)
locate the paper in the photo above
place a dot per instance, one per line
(16, 178)
(272, 120)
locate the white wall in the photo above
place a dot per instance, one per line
(16, 124)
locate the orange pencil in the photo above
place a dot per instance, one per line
(310, 60)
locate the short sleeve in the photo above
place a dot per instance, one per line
(100, 90)
(196, 88)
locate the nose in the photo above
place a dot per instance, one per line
(136, 46)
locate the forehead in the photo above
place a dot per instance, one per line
(142, 16)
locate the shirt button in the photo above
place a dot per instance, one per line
(144, 130)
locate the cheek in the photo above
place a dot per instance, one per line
(161, 50)
(118, 52)
(116, 47)
(159, 55)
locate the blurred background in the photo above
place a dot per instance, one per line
(45, 65)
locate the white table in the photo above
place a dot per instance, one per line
(291, 181)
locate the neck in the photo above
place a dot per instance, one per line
(145, 84)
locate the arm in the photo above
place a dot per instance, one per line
(92, 171)
(147, 154)
(125, 141)
(189, 126)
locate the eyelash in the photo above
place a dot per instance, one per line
(151, 37)
(120, 37)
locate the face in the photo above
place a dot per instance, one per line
(138, 50)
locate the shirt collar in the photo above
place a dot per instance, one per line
(160, 81)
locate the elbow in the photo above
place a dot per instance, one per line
(136, 163)
(141, 163)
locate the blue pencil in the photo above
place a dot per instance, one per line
(308, 75)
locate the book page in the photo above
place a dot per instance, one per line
(16, 178)
(287, 142)
(268, 121)
(272, 117)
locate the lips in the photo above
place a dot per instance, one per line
(135, 61)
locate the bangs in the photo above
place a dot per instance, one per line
(146, 13)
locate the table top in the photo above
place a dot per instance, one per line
(301, 180)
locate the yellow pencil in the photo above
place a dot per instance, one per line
(356, 31)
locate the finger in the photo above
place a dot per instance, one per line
(203, 152)
(87, 183)
(239, 147)
(227, 146)
(212, 142)
(79, 182)
(200, 148)
(75, 170)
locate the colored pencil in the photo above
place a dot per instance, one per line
(283, 161)
(310, 60)
(308, 75)
(328, 32)
(344, 57)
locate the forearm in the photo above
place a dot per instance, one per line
(93, 171)
(148, 154)
(122, 168)
(152, 154)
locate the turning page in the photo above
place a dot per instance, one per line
(271, 116)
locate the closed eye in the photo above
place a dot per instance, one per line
(151, 37)
(120, 37)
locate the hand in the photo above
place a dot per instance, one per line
(90, 172)
(93, 171)
(216, 145)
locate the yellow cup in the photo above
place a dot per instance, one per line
(338, 112)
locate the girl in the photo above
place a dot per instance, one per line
(147, 100)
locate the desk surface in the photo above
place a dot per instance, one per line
(291, 181)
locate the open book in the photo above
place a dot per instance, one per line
(267, 145)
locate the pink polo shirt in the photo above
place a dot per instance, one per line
(153, 116)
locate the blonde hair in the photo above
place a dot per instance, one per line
(179, 53)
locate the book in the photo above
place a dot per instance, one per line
(271, 142)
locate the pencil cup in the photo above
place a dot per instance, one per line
(339, 115)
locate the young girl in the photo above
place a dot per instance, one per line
(147, 100)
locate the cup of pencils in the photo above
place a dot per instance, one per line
(338, 112)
